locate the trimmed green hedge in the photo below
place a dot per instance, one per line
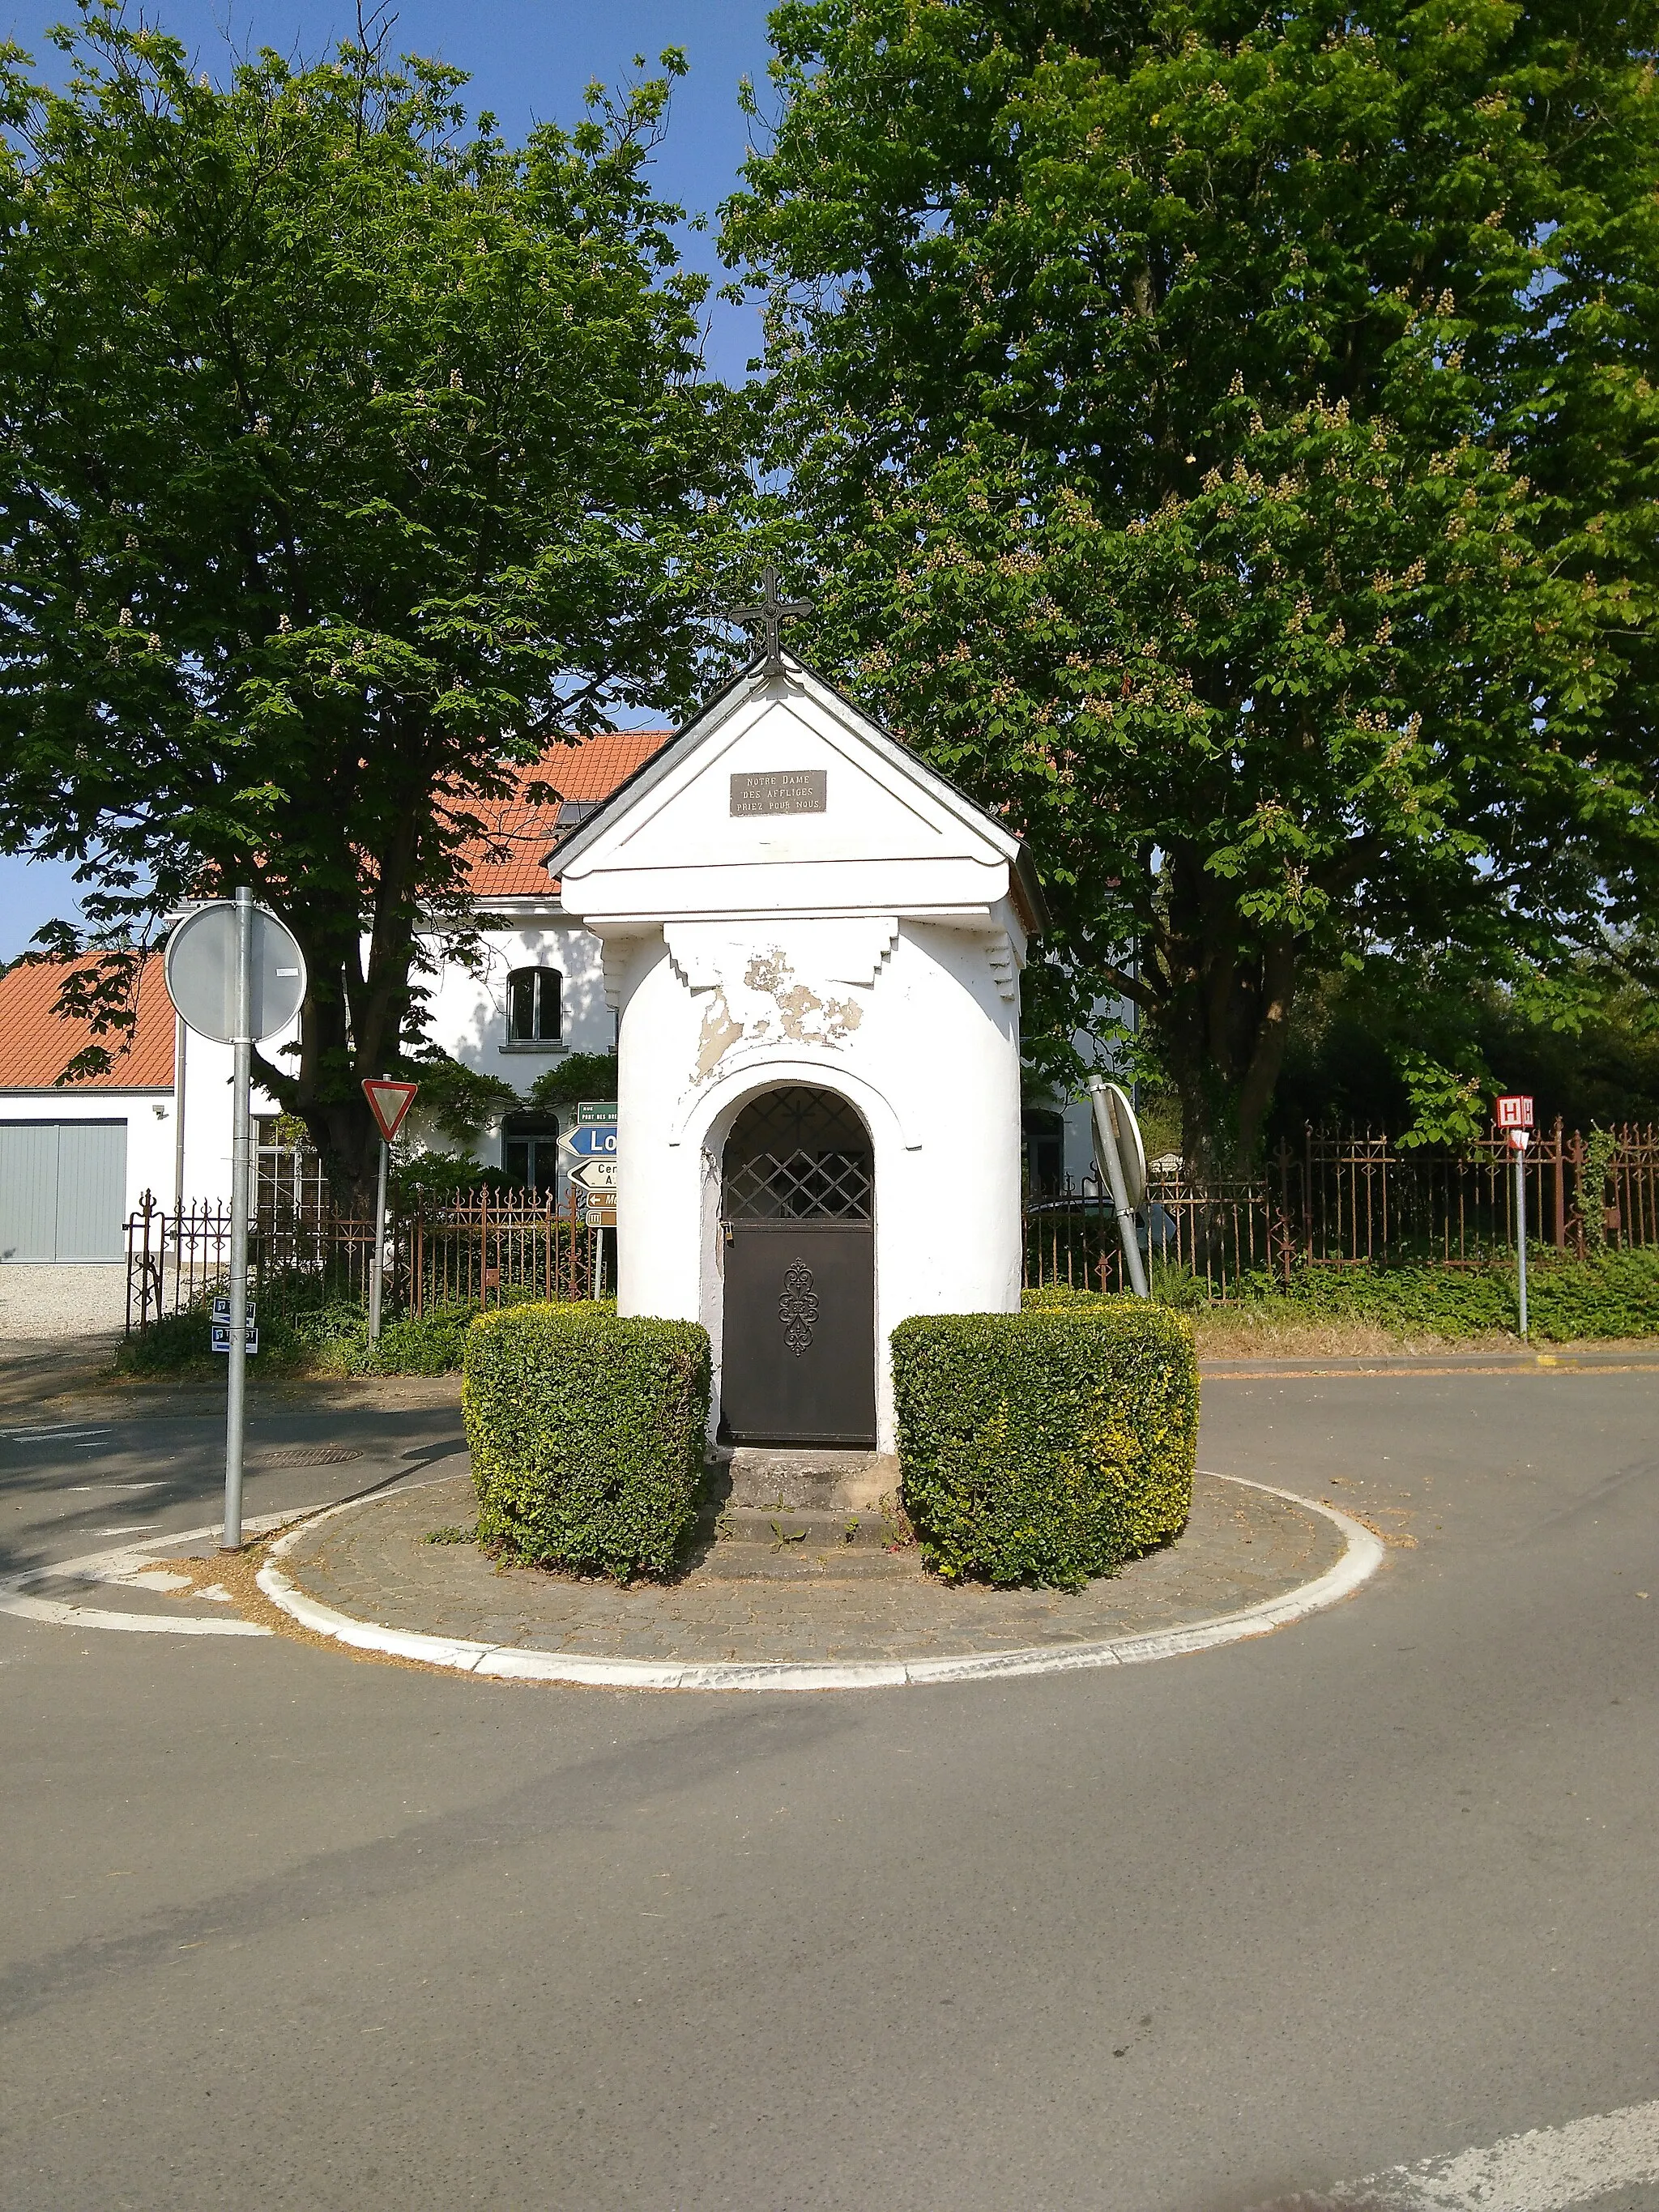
(587, 1434)
(1617, 1295)
(1048, 1445)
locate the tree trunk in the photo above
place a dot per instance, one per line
(1221, 1013)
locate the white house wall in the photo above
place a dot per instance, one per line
(466, 1012)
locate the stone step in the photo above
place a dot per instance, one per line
(828, 1481)
(758, 1544)
(818, 1531)
(794, 1562)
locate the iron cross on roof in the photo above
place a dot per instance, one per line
(770, 616)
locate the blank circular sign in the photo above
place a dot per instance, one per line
(201, 973)
(1131, 1152)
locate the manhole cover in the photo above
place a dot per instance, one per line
(309, 1455)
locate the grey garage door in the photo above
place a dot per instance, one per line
(62, 1185)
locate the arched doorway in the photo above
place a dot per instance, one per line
(798, 1226)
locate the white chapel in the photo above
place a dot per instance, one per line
(813, 945)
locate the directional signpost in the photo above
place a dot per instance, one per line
(1515, 1117)
(236, 974)
(590, 1162)
(389, 1102)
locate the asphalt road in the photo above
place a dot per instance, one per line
(283, 1928)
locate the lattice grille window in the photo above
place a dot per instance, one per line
(799, 1155)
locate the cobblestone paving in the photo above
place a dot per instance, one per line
(1240, 1548)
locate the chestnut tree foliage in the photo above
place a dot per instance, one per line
(348, 457)
(1226, 442)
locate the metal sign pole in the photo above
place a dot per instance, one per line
(236, 1373)
(1521, 1222)
(377, 1258)
(1106, 1135)
(180, 1035)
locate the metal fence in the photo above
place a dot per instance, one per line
(1333, 1201)
(485, 1248)
(1349, 1200)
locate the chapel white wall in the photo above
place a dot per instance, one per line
(931, 1062)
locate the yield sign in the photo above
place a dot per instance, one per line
(389, 1102)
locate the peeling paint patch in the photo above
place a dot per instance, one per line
(803, 1017)
(720, 1034)
(768, 1006)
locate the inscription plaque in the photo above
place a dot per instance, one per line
(781, 791)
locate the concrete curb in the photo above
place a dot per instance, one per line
(1361, 1561)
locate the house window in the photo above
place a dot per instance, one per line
(530, 1149)
(1045, 1153)
(534, 1014)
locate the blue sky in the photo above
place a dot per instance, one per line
(529, 61)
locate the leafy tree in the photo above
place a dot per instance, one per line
(1392, 1048)
(348, 459)
(579, 1075)
(1162, 387)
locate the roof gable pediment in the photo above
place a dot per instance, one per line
(781, 796)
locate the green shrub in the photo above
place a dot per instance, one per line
(587, 1434)
(1616, 1295)
(432, 1343)
(579, 1076)
(325, 1334)
(175, 1340)
(442, 1179)
(1048, 1445)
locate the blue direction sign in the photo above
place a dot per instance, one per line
(597, 1142)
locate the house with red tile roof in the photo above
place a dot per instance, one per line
(76, 1158)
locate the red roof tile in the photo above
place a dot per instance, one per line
(37, 1044)
(511, 861)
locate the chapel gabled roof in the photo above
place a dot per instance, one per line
(1027, 886)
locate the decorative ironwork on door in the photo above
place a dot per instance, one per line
(799, 1155)
(799, 1307)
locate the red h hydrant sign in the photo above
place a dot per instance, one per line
(1514, 1117)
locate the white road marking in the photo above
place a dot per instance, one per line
(65, 1435)
(87, 1489)
(1545, 2170)
(127, 1560)
(112, 1567)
